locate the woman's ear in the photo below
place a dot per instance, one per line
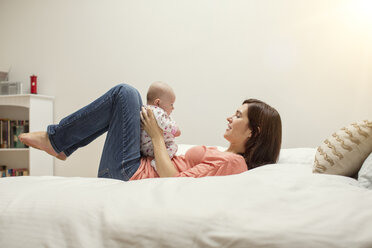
(248, 134)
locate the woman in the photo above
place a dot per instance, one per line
(254, 134)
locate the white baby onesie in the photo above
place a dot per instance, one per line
(169, 127)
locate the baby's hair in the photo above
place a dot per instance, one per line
(157, 90)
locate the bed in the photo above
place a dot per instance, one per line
(277, 205)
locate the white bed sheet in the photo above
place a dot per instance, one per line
(282, 205)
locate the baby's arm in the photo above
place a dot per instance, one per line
(166, 123)
(176, 131)
(162, 119)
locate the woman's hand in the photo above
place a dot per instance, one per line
(149, 123)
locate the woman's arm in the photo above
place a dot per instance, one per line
(164, 165)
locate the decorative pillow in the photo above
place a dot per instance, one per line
(365, 173)
(344, 152)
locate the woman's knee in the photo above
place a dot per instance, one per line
(128, 92)
(126, 88)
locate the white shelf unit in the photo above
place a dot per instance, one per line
(38, 109)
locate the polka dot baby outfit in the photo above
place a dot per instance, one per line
(169, 128)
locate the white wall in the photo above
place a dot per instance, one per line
(309, 59)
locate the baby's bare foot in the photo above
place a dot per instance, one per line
(40, 140)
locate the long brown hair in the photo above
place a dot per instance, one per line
(263, 147)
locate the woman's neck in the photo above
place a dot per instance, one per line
(235, 148)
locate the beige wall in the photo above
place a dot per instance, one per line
(312, 60)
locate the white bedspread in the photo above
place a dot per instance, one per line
(282, 205)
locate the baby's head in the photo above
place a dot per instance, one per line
(161, 94)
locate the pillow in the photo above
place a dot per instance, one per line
(365, 173)
(296, 156)
(182, 148)
(344, 152)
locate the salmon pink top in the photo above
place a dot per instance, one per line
(199, 161)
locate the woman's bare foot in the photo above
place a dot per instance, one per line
(61, 156)
(40, 140)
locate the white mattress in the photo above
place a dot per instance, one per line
(282, 205)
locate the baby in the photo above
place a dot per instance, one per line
(160, 98)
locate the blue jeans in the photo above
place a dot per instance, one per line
(118, 113)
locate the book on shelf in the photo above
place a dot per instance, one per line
(5, 172)
(9, 132)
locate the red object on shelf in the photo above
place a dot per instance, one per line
(33, 84)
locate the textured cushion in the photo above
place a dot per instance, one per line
(344, 152)
(365, 173)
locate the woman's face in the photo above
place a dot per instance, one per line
(237, 131)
